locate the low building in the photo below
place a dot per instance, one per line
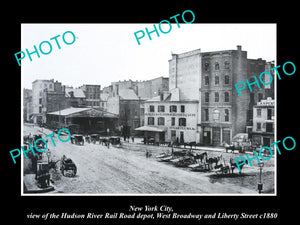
(84, 121)
(263, 122)
(169, 119)
(75, 97)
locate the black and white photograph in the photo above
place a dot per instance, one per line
(165, 116)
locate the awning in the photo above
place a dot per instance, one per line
(152, 128)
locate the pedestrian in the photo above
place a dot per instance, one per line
(132, 138)
(108, 143)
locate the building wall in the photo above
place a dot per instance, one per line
(190, 114)
(129, 114)
(185, 74)
(92, 93)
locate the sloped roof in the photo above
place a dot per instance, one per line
(68, 111)
(128, 94)
(85, 112)
(78, 93)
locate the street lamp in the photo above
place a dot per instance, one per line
(260, 185)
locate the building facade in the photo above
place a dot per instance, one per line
(263, 122)
(92, 95)
(47, 96)
(207, 79)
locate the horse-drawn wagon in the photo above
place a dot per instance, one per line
(68, 167)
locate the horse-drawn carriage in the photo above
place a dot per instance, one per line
(68, 167)
(94, 138)
(77, 139)
(242, 143)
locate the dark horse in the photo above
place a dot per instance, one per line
(201, 156)
(233, 164)
(212, 160)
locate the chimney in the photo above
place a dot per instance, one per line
(239, 47)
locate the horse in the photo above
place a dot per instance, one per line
(212, 160)
(201, 156)
(233, 164)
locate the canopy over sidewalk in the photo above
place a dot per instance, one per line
(151, 128)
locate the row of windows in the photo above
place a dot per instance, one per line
(161, 108)
(161, 121)
(216, 96)
(217, 66)
(217, 80)
(270, 113)
(267, 126)
(216, 115)
(96, 96)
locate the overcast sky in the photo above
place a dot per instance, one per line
(104, 53)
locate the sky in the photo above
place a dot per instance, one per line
(105, 53)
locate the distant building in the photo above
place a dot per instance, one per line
(47, 96)
(263, 122)
(27, 104)
(126, 104)
(92, 94)
(75, 97)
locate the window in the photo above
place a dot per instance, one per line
(206, 96)
(206, 66)
(161, 108)
(40, 101)
(258, 112)
(182, 122)
(226, 97)
(151, 108)
(269, 127)
(182, 108)
(226, 116)
(217, 67)
(260, 96)
(173, 134)
(150, 120)
(216, 97)
(173, 108)
(226, 79)
(206, 80)
(172, 121)
(216, 80)
(50, 86)
(226, 63)
(258, 126)
(206, 115)
(269, 114)
(161, 121)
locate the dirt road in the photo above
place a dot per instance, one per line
(120, 171)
